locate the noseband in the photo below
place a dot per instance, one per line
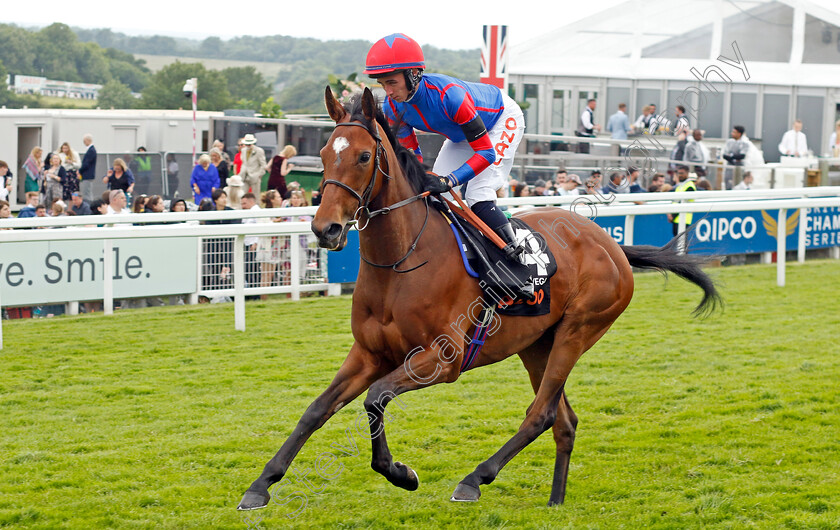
(365, 198)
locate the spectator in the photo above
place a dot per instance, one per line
(57, 208)
(681, 121)
(253, 164)
(204, 179)
(278, 168)
(5, 181)
(252, 275)
(593, 183)
(586, 125)
(316, 198)
(117, 202)
(686, 183)
(71, 163)
(154, 204)
(521, 190)
(560, 178)
(736, 147)
(678, 152)
(696, 152)
(704, 184)
(5, 212)
(119, 178)
(735, 151)
(237, 158)
(98, 207)
(143, 163)
(88, 168)
(221, 166)
(178, 205)
(571, 186)
(234, 192)
(41, 211)
(794, 141)
(834, 142)
(220, 145)
(219, 250)
(268, 247)
(657, 181)
(633, 175)
(617, 184)
(31, 204)
(139, 204)
(296, 200)
(539, 188)
(34, 171)
(78, 205)
(619, 123)
(745, 184)
(655, 120)
(54, 179)
(172, 175)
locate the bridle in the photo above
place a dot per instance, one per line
(365, 197)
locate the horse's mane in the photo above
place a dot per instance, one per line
(413, 170)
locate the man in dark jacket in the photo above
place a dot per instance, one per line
(88, 169)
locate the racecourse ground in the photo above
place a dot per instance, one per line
(161, 418)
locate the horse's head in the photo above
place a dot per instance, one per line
(351, 161)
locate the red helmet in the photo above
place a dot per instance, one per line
(393, 53)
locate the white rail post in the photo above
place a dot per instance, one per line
(108, 277)
(192, 299)
(680, 229)
(239, 282)
(294, 245)
(781, 249)
(803, 221)
(628, 229)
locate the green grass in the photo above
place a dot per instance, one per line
(161, 418)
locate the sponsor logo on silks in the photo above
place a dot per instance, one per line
(772, 226)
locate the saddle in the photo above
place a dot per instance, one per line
(498, 276)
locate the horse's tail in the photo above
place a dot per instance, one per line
(667, 259)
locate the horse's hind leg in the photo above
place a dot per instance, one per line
(355, 375)
(564, 437)
(542, 414)
(534, 359)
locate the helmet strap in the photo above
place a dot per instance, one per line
(412, 80)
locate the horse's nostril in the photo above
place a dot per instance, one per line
(333, 231)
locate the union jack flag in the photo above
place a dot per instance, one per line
(494, 57)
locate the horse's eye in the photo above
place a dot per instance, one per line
(364, 158)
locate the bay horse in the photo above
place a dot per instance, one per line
(412, 286)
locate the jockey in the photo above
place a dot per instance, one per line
(482, 126)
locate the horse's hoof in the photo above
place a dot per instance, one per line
(465, 493)
(254, 500)
(412, 481)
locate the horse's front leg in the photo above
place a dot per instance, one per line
(422, 368)
(356, 374)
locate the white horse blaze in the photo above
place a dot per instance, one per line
(340, 144)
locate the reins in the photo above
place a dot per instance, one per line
(365, 198)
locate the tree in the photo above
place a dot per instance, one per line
(6, 97)
(115, 95)
(303, 97)
(211, 47)
(165, 88)
(270, 109)
(17, 49)
(246, 83)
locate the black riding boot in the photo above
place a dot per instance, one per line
(513, 251)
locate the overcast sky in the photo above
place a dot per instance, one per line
(450, 24)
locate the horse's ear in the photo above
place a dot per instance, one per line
(334, 108)
(369, 105)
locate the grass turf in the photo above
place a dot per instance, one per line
(161, 418)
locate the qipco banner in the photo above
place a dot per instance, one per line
(41, 272)
(728, 233)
